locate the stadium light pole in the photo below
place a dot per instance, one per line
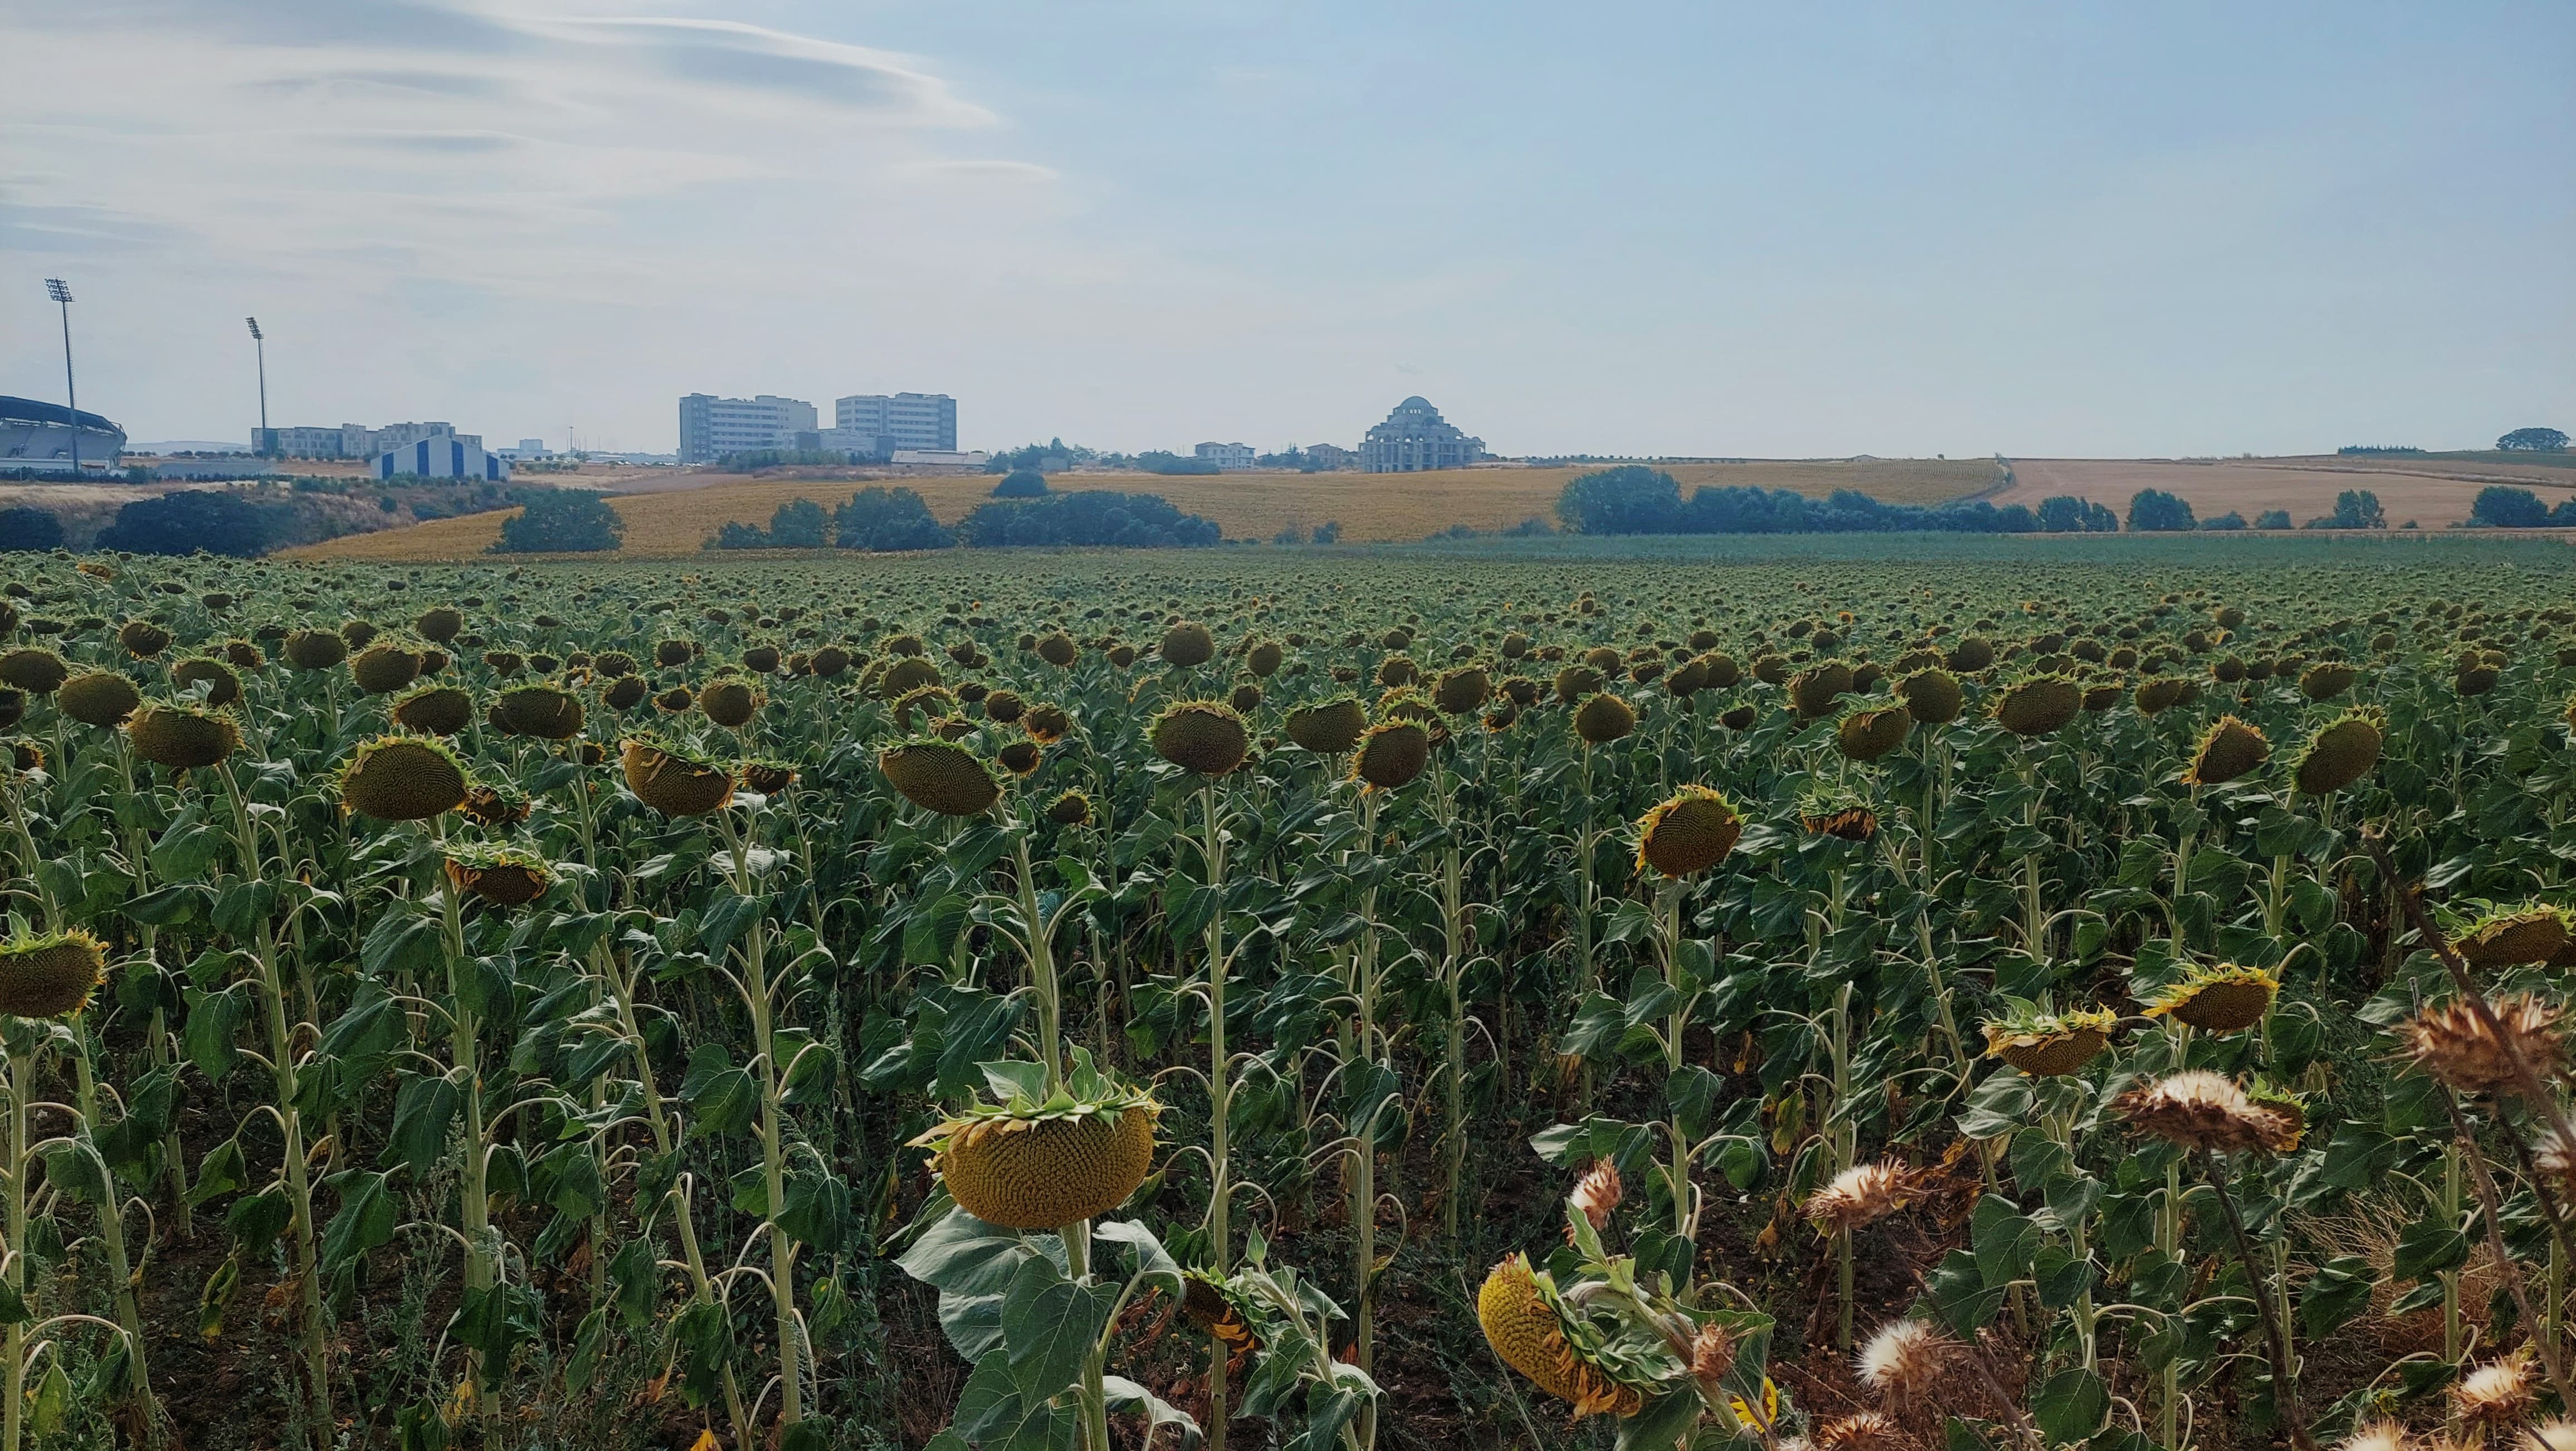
(259, 341)
(61, 292)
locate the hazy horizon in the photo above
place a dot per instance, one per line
(1654, 229)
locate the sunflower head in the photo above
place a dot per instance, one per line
(51, 976)
(1390, 754)
(2039, 705)
(1330, 728)
(2341, 752)
(940, 776)
(1604, 718)
(2222, 999)
(1518, 1310)
(1201, 736)
(2454, 1043)
(1869, 733)
(2197, 1109)
(1688, 833)
(2228, 749)
(2049, 1044)
(1860, 1195)
(2513, 936)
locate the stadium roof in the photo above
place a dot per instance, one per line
(28, 410)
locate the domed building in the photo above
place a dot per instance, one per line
(1415, 439)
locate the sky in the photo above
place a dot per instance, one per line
(1702, 229)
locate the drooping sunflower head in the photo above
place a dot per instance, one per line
(672, 781)
(1187, 645)
(1604, 718)
(2341, 752)
(182, 737)
(1813, 691)
(1932, 696)
(1329, 728)
(1860, 1195)
(2228, 749)
(1071, 808)
(1691, 831)
(502, 876)
(2039, 705)
(1868, 733)
(1201, 736)
(1035, 1164)
(402, 778)
(2514, 935)
(100, 698)
(1518, 1310)
(2197, 1109)
(542, 712)
(2221, 999)
(142, 639)
(1390, 754)
(730, 703)
(940, 776)
(1462, 691)
(2048, 1044)
(50, 976)
(2455, 1043)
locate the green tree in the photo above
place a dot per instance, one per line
(2500, 507)
(800, 524)
(30, 528)
(2358, 509)
(883, 520)
(562, 521)
(217, 521)
(2272, 519)
(2155, 511)
(1021, 484)
(2534, 440)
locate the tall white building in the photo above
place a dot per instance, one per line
(926, 421)
(711, 427)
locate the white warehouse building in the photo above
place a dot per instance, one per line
(442, 458)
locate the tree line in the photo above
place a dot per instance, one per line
(881, 520)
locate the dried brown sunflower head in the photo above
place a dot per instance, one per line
(1862, 1194)
(2197, 1109)
(2454, 1043)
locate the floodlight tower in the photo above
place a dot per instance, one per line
(61, 292)
(259, 341)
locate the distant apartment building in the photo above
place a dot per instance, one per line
(841, 440)
(1332, 456)
(917, 421)
(1227, 456)
(352, 440)
(1415, 439)
(711, 427)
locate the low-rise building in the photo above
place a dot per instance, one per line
(1415, 439)
(351, 440)
(1332, 456)
(947, 457)
(447, 457)
(1227, 456)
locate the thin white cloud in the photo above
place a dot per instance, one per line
(750, 57)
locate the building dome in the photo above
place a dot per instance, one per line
(1416, 439)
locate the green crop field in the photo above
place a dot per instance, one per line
(1887, 991)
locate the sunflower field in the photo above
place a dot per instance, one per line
(1334, 1003)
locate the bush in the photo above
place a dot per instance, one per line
(217, 521)
(2500, 507)
(2155, 511)
(2357, 509)
(1329, 532)
(884, 520)
(1631, 499)
(2229, 520)
(27, 528)
(1089, 518)
(1021, 484)
(562, 521)
(2272, 519)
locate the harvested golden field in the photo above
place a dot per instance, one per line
(1371, 508)
(2306, 488)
